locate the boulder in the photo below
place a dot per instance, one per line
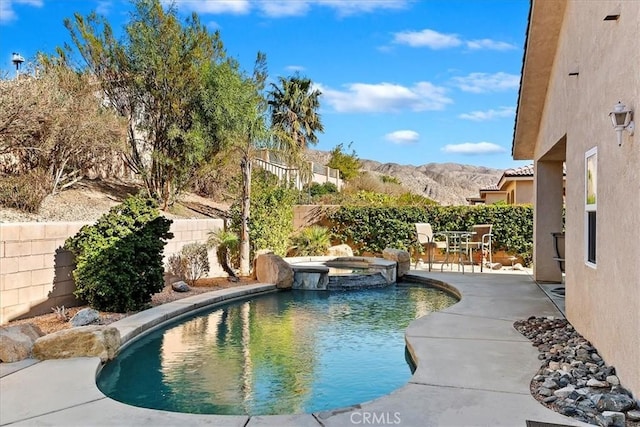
(16, 342)
(564, 392)
(615, 403)
(180, 286)
(84, 341)
(400, 256)
(614, 419)
(634, 415)
(340, 250)
(256, 255)
(270, 268)
(85, 317)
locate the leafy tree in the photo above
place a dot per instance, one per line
(153, 78)
(347, 164)
(293, 106)
(55, 124)
(233, 112)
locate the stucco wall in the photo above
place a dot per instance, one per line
(495, 197)
(524, 192)
(35, 271)
(603, 303)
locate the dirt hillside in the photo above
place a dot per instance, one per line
(89, 199)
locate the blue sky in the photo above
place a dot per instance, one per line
(409, 82)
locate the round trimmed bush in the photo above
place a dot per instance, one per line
(119, 258)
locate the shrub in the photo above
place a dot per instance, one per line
(119, 258)
(365, 181)
(316, 189)
(177, 266)
(370, 199)
(312, 241)
(26, 191)
(390, 180)
(62, 314)
(191, 263)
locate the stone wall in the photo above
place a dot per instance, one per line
(35, 271)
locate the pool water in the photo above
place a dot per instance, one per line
(279, 353)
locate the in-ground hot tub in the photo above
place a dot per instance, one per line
(341, 273)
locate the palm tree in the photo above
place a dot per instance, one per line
(293, 106)
(226, 244)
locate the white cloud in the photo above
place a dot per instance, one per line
(473, 148)
(352, 7)
(481, 116)
(104, 7)
(428, 38)
(403, 137)
(294, 68)
(489, 44)
(8, 14)
(284, 8)
(213, 26)
(234, 7)
(386, 97)
(435, 40)
(483, 82)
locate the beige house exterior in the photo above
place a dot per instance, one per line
(581, 58)
(515, 187)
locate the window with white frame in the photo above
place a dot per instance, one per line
(590, 204)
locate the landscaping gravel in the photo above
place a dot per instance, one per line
(49, 323)
(574, 379)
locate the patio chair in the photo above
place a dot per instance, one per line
(481, 240)
(425, 239)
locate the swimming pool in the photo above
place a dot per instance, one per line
(279, 353)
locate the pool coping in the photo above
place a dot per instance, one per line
(473, 368)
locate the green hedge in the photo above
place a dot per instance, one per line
(371, 229)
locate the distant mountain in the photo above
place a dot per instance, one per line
(446, 183)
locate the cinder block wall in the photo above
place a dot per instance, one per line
(306, 215)
(195, 230)
(35, 272)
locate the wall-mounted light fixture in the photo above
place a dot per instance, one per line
(621, 119)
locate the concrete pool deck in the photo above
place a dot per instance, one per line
(474, 369)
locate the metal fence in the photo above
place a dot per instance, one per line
(319, 173)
